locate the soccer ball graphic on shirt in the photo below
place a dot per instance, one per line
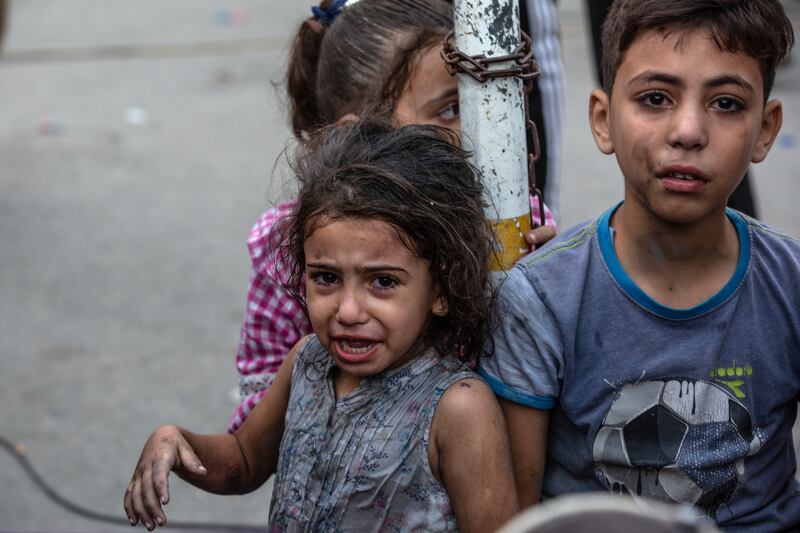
(675, 440)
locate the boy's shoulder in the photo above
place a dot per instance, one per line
(771, 236)
(564, 246)
(553, 278)
(774, 253)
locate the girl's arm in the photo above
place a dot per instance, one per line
(527, 430)
(222, 464)
(469, 453)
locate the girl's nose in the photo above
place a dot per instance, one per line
(351, 309)
(687, 127)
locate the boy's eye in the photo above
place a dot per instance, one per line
(449, 112)
(383, 283)
(654, 99)
(727, 103)
(324, 278)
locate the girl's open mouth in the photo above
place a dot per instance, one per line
(354, 350)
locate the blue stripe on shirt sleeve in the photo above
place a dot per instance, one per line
(544, 403)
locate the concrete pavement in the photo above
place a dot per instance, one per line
(137, 142)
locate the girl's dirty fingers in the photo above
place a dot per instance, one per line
(138, 505)
(150, 497)
(128, 505)
(161, 470)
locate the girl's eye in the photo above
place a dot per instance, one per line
(383, 283)
(324, 278)
(450, 112)
(728, 104)
(654, 99)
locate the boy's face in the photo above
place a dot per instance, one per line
(685, 119)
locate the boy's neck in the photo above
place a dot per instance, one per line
(679, 265)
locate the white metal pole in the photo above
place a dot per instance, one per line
(493, 123)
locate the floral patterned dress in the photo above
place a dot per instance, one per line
(361, 463)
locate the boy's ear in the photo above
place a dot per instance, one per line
(598, 120)
(439, 307)
(770, 126)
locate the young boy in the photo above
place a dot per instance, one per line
(661, 342)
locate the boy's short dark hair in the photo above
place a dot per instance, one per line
(758, 28)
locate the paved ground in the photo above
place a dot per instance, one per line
(137, 143)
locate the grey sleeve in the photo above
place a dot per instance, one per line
(527, 363)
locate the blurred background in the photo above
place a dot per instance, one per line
(138, 144)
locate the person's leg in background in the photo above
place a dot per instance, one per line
(742, 198)
(539, 19)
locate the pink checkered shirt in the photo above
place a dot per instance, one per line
(274, 321)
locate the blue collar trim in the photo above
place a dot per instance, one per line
(640, 297)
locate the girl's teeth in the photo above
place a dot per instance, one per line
(356, 346)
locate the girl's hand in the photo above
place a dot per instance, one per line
(236, 463)
(165, 450)
(538, 236)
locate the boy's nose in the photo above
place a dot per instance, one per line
(687, 128)
(351, 309)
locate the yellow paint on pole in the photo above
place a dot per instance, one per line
(511, 245)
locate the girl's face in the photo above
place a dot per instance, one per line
(369, 297)
(432, 94)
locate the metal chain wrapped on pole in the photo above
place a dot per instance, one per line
(496, 67)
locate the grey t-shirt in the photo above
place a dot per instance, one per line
(360, 463)
(694, 406)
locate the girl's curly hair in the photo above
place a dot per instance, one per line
(417, 180)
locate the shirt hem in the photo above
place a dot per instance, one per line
(544, 403)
